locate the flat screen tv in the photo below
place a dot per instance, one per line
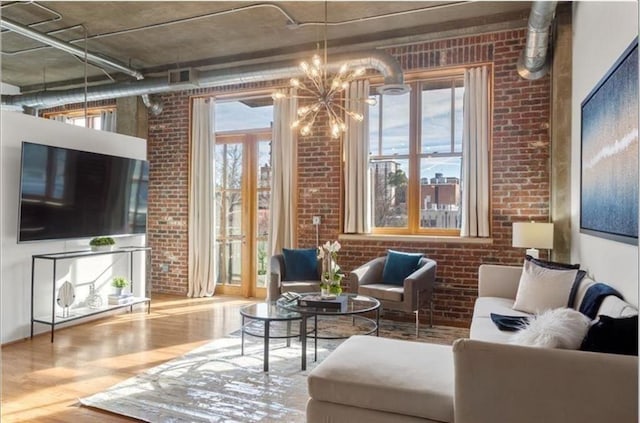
(66, 193)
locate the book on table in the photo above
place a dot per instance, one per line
(317, 301)
(123, 298)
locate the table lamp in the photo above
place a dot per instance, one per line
(532, 235)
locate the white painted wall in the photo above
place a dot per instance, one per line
(15, 268)
(601, 33)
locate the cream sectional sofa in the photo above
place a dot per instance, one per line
(479, 380)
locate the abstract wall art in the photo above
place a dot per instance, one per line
(609, 158)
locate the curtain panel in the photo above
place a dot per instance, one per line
(108, 120)
(282, 233)
(475, 154)
(202, 243)
(357, 200)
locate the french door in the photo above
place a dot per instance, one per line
(243, 180)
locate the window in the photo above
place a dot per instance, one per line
(77, 117)
(416, 158)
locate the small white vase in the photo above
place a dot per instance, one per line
(101, 247)
(324, 291)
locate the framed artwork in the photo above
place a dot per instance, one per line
(609, 154)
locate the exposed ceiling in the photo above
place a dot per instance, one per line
(154, 37)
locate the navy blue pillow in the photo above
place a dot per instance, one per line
(552, 264)
(301, 264)
(611, 335)
(398, 266)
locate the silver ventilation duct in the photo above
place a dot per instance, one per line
(533, 63)
(102, 61)
(380, 61)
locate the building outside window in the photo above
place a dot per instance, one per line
(416, 158)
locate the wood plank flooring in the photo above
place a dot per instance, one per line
(41, 381)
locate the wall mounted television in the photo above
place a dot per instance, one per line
(66, 194)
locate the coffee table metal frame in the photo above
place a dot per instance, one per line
(306, 312)
(267, 313)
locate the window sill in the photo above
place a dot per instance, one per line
(415, 238)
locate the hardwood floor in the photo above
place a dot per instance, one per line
(42, 381)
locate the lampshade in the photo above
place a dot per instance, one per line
(533, 235)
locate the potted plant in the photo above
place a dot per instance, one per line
(102, 243)
(332, 275)
(118, 283)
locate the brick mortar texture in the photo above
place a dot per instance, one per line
(520, 176)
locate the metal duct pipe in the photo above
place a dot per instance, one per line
(69, 48)
(533, 62)
(380, 61)
(154, 108)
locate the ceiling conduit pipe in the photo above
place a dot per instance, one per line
(377, 60)
(93, 58)
(533, 62)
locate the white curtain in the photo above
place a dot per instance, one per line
(282, 231)
(201, 201)
(475, 154)
(108, 120)
(357, 215)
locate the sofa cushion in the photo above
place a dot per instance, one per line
(371, 372)
(559, 328)
(611, 335)
(486, 305)
(542, 288)
(301, 264)
(382, 291)
(398, 266)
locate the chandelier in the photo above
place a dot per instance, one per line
(322, 91)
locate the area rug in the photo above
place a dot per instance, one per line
(214, 383)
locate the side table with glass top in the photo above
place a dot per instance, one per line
(267, 312)
(356, 306)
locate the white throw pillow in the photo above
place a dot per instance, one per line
(560, 328)
(542, 288)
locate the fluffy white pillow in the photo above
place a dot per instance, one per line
(560, 328)
(542, 288)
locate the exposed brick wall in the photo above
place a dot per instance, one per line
(168, 155)
(520, 176)
(520, 172)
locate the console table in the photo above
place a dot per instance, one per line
(82, 312)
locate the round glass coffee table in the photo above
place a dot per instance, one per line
(311, 305)
(267, 313)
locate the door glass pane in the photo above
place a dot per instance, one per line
(229, 220)
(264, 197)
(440, 192)
(389, 192)
(263, 264)
(262, 213)
(264, 164)
(229, 266)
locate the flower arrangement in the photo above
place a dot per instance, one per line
(332, 275)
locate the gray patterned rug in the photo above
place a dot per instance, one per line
(214, 383)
